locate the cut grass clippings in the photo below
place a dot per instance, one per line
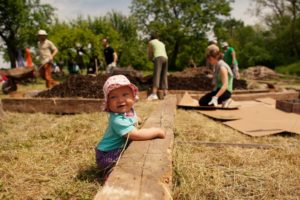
(52, 156)
(232, 172)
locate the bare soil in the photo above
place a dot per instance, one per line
(91, 86)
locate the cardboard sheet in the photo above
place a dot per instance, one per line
(187, 100)
(255, 118)
(267, 101)
(258, 120)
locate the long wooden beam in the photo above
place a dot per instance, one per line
(52, 105)
(224, 144)
(145, 169)
(1, 110)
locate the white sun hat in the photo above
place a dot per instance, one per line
(42, 32)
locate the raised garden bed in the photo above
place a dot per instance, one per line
(289, 105)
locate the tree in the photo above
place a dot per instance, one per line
(120, 29)
(132, 49)
(283, 21)
(180, 23)
(19, 22)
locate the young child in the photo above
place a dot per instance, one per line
(120, 96)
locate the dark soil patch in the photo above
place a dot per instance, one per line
(91, 86)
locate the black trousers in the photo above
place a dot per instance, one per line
(203, 101)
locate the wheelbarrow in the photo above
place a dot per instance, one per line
(15, 76)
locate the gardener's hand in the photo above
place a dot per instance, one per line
(237, 75)
(214, 101)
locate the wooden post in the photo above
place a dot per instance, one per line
(1, 110)
(145, 169)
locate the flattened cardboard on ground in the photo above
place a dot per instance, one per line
(187, 100)
(267, 101)
(257, 119)
(262, 127)
(245, 108)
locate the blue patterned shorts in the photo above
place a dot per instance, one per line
(107, 159)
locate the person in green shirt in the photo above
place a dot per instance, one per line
(230, 59)
(223, 76)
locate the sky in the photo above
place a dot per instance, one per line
(69, 9)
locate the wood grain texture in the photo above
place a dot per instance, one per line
(145, 169)
(52, 105)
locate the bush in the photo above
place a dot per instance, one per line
(292, 69)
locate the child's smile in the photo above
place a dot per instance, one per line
(120, 100)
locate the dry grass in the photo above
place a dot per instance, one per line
(203, 172)
(51, 156)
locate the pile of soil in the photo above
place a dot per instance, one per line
(259, 73)
(199, 78)
(77, 86)
(86, 86)
(91, 86)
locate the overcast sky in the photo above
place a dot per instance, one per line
(70, 9)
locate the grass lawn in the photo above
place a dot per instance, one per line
(203, 172)
(52, 156)
(45, 156)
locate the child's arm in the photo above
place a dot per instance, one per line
(146, 134)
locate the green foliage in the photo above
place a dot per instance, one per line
(183, 25)
(120, 30)
(292, 69)
(180, 23)
(19, 22)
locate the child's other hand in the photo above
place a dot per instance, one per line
(161, 133)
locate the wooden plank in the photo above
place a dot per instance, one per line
(145, 169)
(52, 105)
(1, 110)
(288, 95)
(222, 144)
(196, 92)
(289, 105)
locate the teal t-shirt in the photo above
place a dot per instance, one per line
(118, 126)
(219, 84)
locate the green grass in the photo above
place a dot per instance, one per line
(292, 69)
(45, 156)
(211, 172)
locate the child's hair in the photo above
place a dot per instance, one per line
(214, 53)
(115, 82)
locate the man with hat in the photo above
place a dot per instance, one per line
(230, 59)
(46, 50)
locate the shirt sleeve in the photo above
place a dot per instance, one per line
(122, 125)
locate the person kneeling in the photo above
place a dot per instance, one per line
(223, 79)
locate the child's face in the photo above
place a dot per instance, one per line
(120, 100)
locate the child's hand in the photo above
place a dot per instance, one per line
(161, 133)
